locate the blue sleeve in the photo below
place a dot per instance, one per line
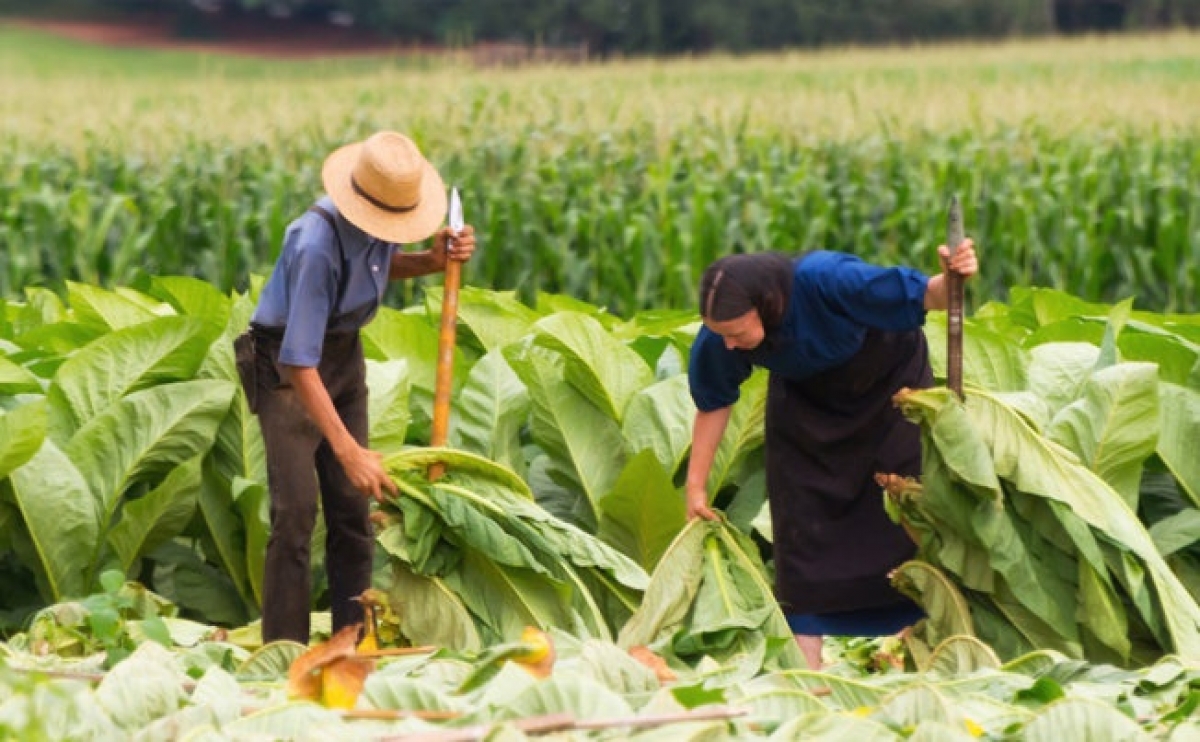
(883, 298)
(715, 373)
(312, 289)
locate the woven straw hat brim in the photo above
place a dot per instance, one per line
(406, 227)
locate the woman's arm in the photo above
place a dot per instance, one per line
(707, 432)
(363, 467)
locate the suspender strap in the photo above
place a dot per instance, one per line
(345, 271)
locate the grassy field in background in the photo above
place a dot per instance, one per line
(1077, 161)
(56, 92)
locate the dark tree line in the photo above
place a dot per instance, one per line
(675, 26)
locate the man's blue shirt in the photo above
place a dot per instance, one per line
(301, 296)
(835, 298)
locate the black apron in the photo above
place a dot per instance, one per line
(826, 438)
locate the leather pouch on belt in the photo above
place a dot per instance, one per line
(246, 358)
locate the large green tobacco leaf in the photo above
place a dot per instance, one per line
(1059, 371)
(823, 725)
(189, 580)
(105, 310)
(708, 597)
(42, 307)
(145, 435)
(662, 337)
(1113, 425)
(947, 611)
(504, 601)
(581, 697)
(292, 720)
(147, 685)
(219, 363)
(1175, 357)
(495, 318)
(409, 694)
(723, 604)
(990, 360)
(476, 528)
(1179, 436)
(157, 516)
(660, 418)
(388, 412)
(59, 512)
(252, 500)
(15, 379)
(396, 335)
(1081, 718)
(585, 444)
(148, 354)
(491, 492)
(507, 560)
(429, 612)
(606, 371)
(21, 434)
(237, 453)
(671, 591)
(985, 442)
(1036, 307)
(643, 512)
(492, 407)
(192, 297)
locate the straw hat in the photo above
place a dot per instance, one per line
(386, 188)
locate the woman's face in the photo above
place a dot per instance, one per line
(739, 333)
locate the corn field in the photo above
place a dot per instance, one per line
(1078, 163)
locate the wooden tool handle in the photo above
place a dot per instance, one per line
(444, 379)
(954, 302)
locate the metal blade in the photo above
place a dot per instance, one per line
(455, 220)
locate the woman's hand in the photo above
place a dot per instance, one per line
(965, 263)
(461, 245)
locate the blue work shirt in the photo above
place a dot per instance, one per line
(835, 298)
(302, 296)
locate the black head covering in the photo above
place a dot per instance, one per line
(735, 284)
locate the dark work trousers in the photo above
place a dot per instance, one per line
(301, 464)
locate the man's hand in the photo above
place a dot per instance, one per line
(461, 245)
(364, 469)
(697, 505)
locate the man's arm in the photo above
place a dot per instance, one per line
(413, 264)
(363, 466)
(446, 245)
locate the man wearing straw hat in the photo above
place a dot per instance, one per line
(302, 365)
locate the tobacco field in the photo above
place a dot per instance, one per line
(1059, 518)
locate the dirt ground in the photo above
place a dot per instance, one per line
(278, 39)
(283, 39)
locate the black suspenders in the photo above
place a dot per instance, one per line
(345, 274)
